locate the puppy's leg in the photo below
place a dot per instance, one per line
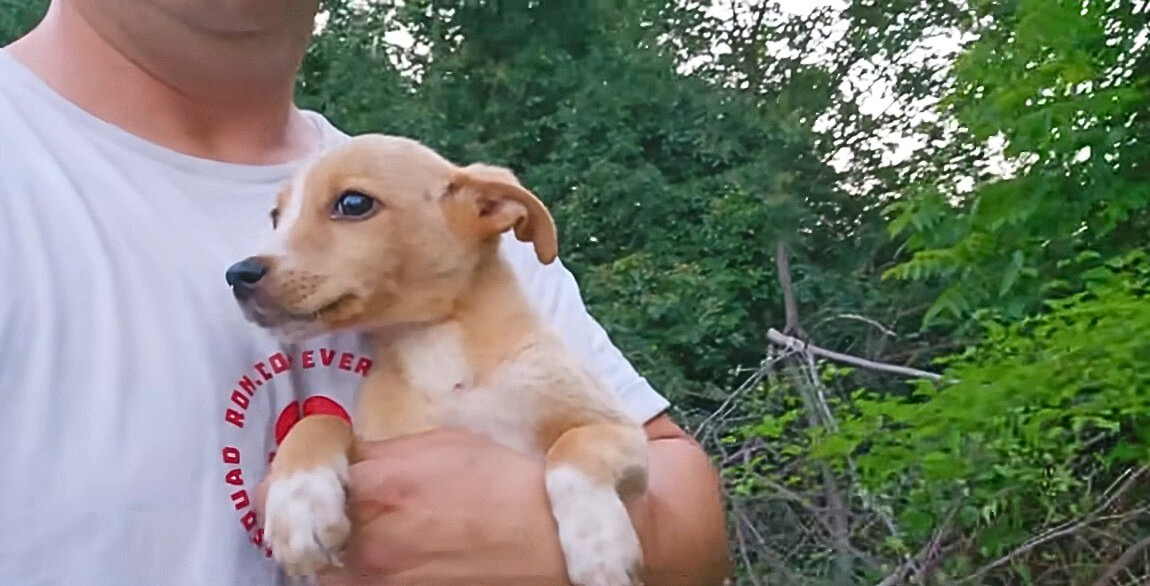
(590, 470)
(305, 517)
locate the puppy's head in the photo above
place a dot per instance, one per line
(380, 231)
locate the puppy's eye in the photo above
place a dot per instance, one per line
(353, 204)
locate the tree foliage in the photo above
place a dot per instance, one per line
(1062, 85)
(18, 16)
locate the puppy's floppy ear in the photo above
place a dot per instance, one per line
(501, 203)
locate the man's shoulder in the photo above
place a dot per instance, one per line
(31, 114)
(11, 92)
(331, 135)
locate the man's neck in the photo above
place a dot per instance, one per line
(201, 97)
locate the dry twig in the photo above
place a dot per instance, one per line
(1063, 530)
(1124, 561)
(791, 343)
(921, 562)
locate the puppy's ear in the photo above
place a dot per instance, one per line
(500, 203)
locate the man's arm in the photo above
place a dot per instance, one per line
(681, 520)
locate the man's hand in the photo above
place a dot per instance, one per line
(448, 507)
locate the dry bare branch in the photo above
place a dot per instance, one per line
(1124, 561)
(1063, 530)
(790, 306)
(854, 316)
(922, 559)
(792, 343)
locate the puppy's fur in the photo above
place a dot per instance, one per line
(456, 344)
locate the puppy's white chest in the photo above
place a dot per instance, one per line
(436, 366)
(434, 361)
(485, 411)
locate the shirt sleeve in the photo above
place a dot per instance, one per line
(556, 294)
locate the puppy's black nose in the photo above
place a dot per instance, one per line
(243, 276)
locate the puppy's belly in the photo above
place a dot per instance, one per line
(482, 411)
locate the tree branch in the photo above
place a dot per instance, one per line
(921, 562)
(792, 343)
(1060, 531)
(885, 330)
(790, 307)
(1122, 562)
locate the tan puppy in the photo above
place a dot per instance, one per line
(383, 235)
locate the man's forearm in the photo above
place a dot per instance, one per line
(681, 519)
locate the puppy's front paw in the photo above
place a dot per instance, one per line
(307, 522)
(598, 540)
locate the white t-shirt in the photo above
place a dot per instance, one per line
(138, 410)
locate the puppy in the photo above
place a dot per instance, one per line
(383, 235)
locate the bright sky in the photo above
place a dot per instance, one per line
(803, 6)
(877, 99)
(721, 8)
(875, 95)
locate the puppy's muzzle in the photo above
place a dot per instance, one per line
(244, 276)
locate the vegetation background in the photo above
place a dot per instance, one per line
(959, 187)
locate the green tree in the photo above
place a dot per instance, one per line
(18, 16)
(1062, 84)
(668, 190)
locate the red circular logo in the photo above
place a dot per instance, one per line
(318, 405)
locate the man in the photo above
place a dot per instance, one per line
(141, 143)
